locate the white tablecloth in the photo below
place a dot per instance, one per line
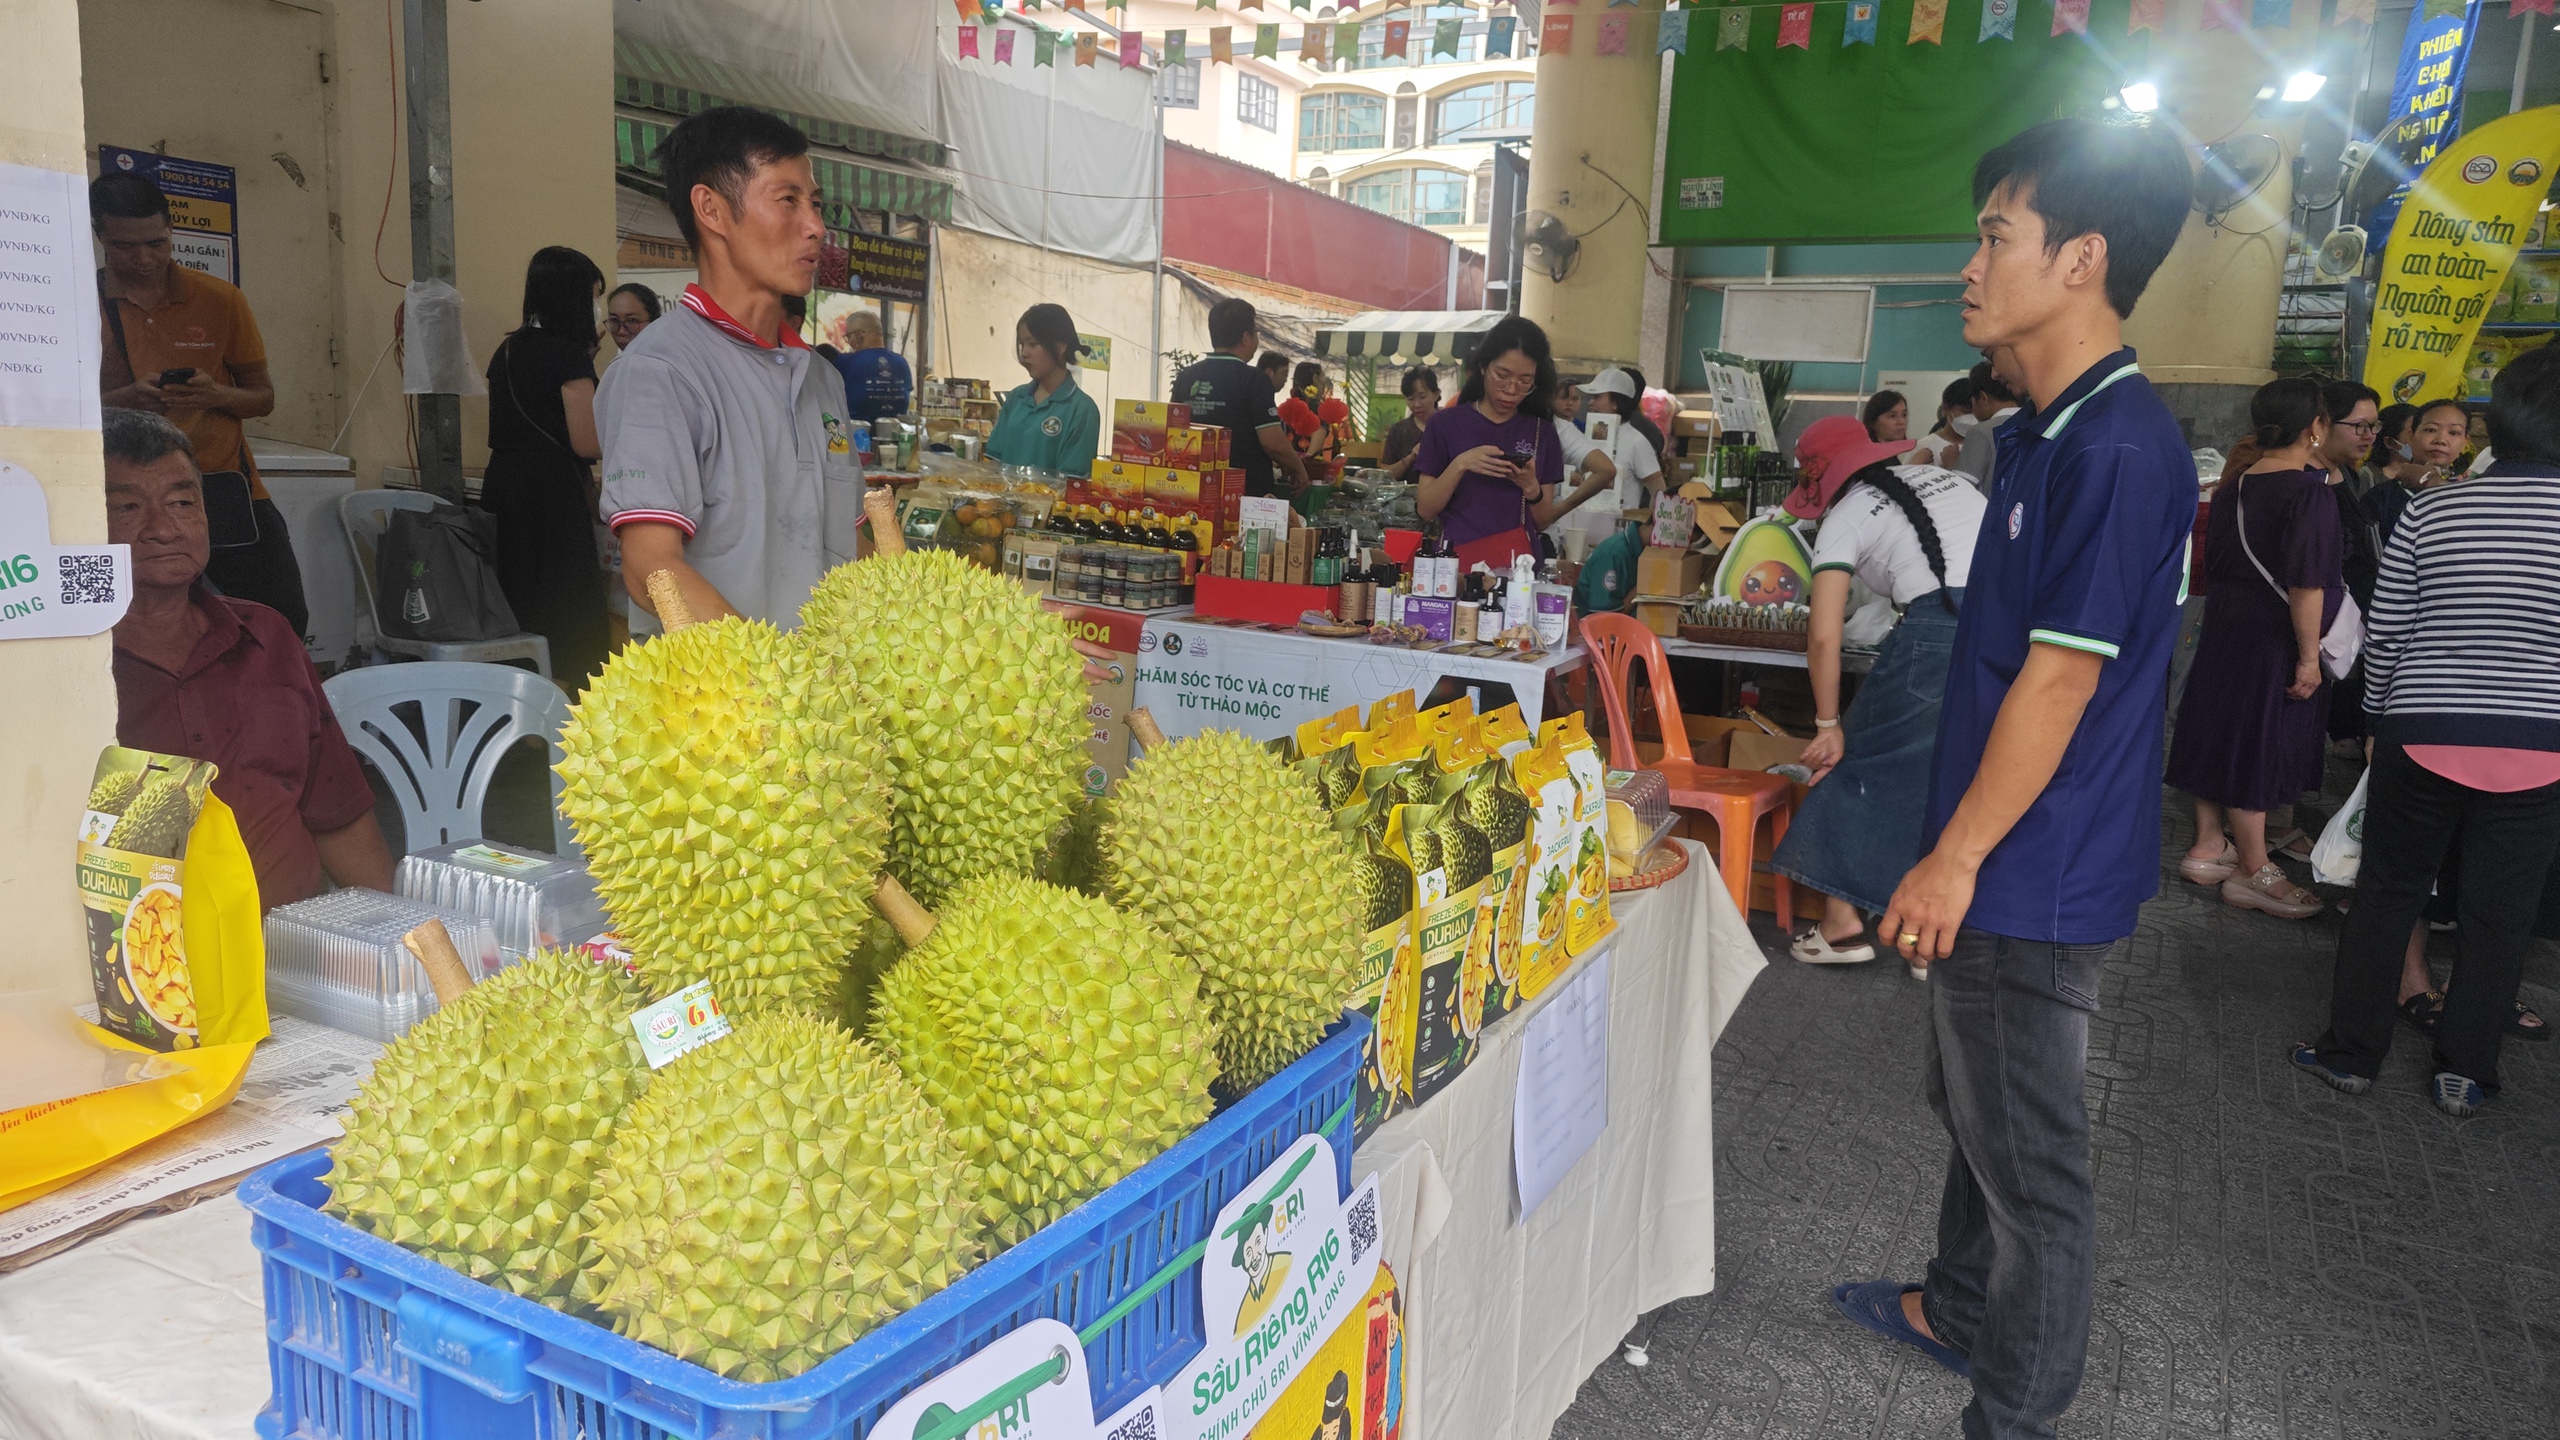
(157, 1330)
(1194, 675)
(1507, 1319)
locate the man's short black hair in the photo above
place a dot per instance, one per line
(121, 196)
(1422, 375)
(1230, 320)
(1959, 393)
(2524, 408)
(722, 147)
(1986, 383)
(138, 437)
(2129, 184)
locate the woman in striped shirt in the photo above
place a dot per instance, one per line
(2463, 685)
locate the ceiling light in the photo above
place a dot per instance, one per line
(2142, 97)
(2303, 85)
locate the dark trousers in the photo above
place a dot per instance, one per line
(2017, 1228)
(264, 570)
(546, 560)
(2412, 817)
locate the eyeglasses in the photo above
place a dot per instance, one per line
(2363, 427)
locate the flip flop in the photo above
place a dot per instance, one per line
(2423, 1010)
(2536, 1032)
(1876, 1305)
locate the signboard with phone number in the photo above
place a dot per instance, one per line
(204, 206)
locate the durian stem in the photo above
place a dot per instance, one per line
(1143, 725)
(912, 921)
(882, 507)
(668, 600)
(434, 949)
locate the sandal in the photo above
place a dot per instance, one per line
(2528, 1026)
(1815, 948)
(2213, 871)
(2272, 892)
(2423, 1010)
(2292, 844)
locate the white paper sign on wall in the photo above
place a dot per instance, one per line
(1288, 1262)
(49, 590)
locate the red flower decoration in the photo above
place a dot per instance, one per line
(1333, 411)
(1295, 414)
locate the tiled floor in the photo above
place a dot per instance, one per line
(2274, 1259)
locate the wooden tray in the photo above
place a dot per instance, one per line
(1755, 639)
(1662, 865)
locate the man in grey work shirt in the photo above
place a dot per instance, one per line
(728, 459)
(1995, 399)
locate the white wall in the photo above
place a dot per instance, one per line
(982, 284)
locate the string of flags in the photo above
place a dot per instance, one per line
(1559, 25)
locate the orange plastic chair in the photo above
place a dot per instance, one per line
(1734, 799)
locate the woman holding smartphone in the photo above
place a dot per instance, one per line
(1491, 467)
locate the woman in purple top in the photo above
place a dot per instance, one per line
(1490, 468)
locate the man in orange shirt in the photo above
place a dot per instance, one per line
(183, 344)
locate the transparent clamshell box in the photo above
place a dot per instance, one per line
(337, 960)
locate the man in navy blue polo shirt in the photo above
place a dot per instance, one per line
(2044, 809)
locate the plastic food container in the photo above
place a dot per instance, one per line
(337, 960)
(536, 901)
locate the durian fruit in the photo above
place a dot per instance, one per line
(1063, 1040)
(112, 795)
(159, 818)
(775, 1195)
(475, 1138)
(1074, 861)
(980, 701)
(1228, 853)
(732, 824)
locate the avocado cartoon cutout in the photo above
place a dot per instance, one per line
(1765, 564)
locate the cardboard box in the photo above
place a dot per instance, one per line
(1139, 428)
(1107, 708)
(1694, 424)
(1662, 617)
(1168, 486)
(1663, 571)
(1751, 749)
(1119, 483)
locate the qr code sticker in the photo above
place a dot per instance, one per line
(1363, 1221)
(1141, 1426)
(87, 579)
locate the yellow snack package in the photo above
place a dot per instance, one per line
(177, 954)
(1545, 879)
(1450, 860)
(45, 1147)
(1388, 759)
(1504, 732)
(1326, 757)
(1388, 710)
(1589, 922)
(1491, 801)
(1443, 720)
(1384, 885)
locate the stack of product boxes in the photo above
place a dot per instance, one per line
(1163, 463)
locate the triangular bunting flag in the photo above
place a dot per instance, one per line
(1861, 26)
(1999, 21)
(1133, 49)
(1004, 46)
(1733, 28)
(1177, 47)
(1398, 33)
(2353, 12)
(1222, 45)
(1044, 48)
(1795, 26)
(1497, 36)
(1446, 36)
(968, 9)
(2271, 15)
(1207, 5)
(1311, 42)
(1086, 44)
(1346, 40)
(968, 42)
(1555, 34)
(1073, 4)
(2070, 17)
(2153, 15)
(1673, 33)
(1929, 22)
(1631, 3)
(1613, 35)
(1266, 42)
(2220, 15)
(2442, 9)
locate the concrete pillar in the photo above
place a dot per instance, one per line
(1591, 165)
(2206, 326)
(60, 704)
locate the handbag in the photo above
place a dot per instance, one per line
(435, 578)
(2344, 640)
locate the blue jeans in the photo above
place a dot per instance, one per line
(2017, 1228)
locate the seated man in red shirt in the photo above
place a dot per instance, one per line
(228, 681)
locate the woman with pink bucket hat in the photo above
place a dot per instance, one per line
(1908, 532)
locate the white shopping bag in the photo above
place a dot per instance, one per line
(2341, 849)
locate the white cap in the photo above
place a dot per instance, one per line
(1612, 381)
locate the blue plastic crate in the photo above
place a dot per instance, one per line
(367, 1341)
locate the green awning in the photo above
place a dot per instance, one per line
(679, 83)
(845, 185)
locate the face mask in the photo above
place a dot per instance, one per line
(1965, 421)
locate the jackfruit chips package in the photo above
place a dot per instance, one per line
(1545, 867)
(1493, 804)
(1384, 886)
(1589, 922)
(1449, 859)
(176, 952)
(1504, 732)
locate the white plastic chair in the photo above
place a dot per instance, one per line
(364, 515)
(437, 729)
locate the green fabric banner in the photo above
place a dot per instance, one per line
(1873, 141)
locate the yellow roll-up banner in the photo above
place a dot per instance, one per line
(2451, 250)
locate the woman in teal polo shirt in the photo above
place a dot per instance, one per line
(1050, 423)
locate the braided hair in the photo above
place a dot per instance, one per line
(1881, 477)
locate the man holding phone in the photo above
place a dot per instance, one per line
(183, 344)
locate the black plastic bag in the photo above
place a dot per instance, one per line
(435, 577)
